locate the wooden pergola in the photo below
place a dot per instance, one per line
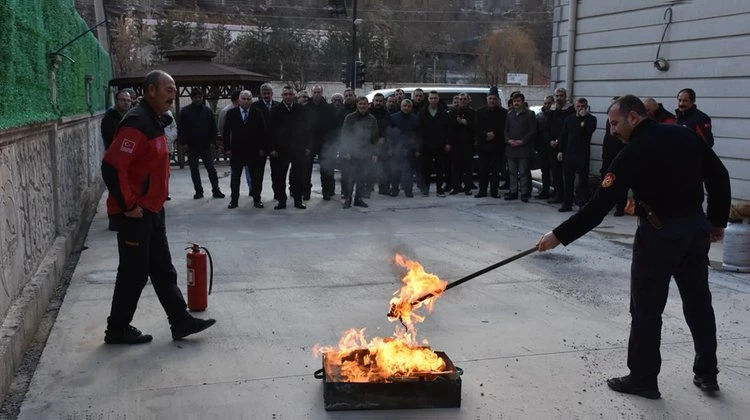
(192, 67)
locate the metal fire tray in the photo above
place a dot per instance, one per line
(424, 390)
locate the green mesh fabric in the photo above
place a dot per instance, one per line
(31, 31)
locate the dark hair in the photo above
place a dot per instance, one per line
(195, 92)
(287, 87)
(433, 92)
(628, 103)
(582, 101)
(153, 78)
(362, 98)
(235, 95)
(690, 92)
(378, 95)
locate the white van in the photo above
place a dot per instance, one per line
(478, 95)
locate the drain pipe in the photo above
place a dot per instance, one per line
(572, 29)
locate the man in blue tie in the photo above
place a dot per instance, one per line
(245, 137)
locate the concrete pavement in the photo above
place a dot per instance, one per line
(536, 339)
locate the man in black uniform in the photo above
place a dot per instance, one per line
(575, 151)
(434, 126)
(462, 145)
(554, 123)
(291, 144)
(690, 116)
(490, 144)
(667, 167)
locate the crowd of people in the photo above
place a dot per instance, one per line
(393, 143)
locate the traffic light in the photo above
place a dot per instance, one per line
(359, 73)
(345, 73)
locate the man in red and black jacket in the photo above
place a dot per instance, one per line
(690, 116)
(136, 170)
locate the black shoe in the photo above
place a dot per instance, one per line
(467, 191)
(626, 385)
(190, 326)
(619, 212)
(360, 203)
(198, 195)
(128, 335)
(554, 200)
(169, 197)
(511, 196)
(218, 194)
(394, 193)
(279, 206)
(480, 195)
(299, 205)
(326, 198)
(495, 195)
(525, 198)
(258, 204)
(542, 195)
(384, 192)
(232, 205)
(505, 186)
(707, 383)
(454, 191)
(441, 193)
(347, 203)
(565, 209)
(409, 194)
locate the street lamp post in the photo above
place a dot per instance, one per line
(352, 66)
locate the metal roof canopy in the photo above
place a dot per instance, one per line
(191, 67)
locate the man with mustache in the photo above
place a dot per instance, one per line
(136, 170)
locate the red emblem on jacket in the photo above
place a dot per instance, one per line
(608, 180)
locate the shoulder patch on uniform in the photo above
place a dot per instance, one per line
(127, 146)
(608, 180)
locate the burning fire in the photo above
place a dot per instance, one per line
(358, 360)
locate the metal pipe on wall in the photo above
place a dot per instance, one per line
(570, 62)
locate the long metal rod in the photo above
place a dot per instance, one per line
(478, 273)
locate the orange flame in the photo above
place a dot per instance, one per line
(358, 360)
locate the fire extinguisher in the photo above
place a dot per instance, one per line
(196, 277)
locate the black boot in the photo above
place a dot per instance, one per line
(358, 202)
(627, 385)
(347, 202)
(127, 335)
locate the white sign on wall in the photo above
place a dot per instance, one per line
(518, 79)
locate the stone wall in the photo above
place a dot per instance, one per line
(49, 185)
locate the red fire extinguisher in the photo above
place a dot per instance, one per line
(196, 277)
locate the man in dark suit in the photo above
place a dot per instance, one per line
(266, 102)
(291, 144)
(245, 136)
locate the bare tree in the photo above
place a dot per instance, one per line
(509, 50)
(129, 37)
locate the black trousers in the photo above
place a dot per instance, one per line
(257, 167)
(327, 162)
(144, 253)
(491, 164)
(432, 162)
(307, 168)
(384, 173)
(575, 166)
(556, 174)
(404, 166)
(356, 172)
(679, 249)
(544, 166)
(207, 156)
(461, 170)
(292, 163)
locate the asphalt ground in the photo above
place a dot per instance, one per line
(535, 339)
